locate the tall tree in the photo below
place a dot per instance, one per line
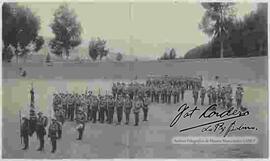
(97, 47)
(216, 19)
(172, 54)
(119, 57)
(67, 30)
(246, 37)
(39, 41)
(165, 56)
(20, 27)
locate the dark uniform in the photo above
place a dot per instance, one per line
(64, 104)
(202, 95)
(223, 97)
(169, 94)
(238, 97)
(55, 132)
(59, 114)
(229, 89)
(89, 110)
(130, 91)
(228, 98)
(110, 110)
(41, 124)
(164, 95)
(137, 107)
(195, 93)
(127, 108)
(95, 103)
(214, 95)
(182, 92)
(77, 103)
(148, 91)
(175, 92)
(158, 93)
(178, 90)
(119, 89)
(153, 94)
(114, 90)
(209, 95)
(219, 95)
(56, 101)
(71, 108)
(125, 90)
(119, 109)
(25, 131)
(146, 103)
(32, 122)
(102, 108)
(81, 118)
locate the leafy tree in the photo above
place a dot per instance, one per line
(253, 32)
(165, 56)
(172, 54)
(56, 47)
(245, 37)
(215, 20)
(39, 41)
(20, 27)
(67, 30)
(97, 47)
(119, 57)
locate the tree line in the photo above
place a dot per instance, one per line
(19, 30)
(21, 27)
(232, 37)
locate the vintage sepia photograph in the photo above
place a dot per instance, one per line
(134, 79)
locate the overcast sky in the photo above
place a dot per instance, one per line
(152, 28)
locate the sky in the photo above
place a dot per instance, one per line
(139, 28)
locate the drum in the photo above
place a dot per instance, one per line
(79, 126)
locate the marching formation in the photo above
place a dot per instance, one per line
(162, 89)
(125, 98)
(82, 108)
(99, 107)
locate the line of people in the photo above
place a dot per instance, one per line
(158, 92)
(220, 95)
(96, 108)
(188, 82)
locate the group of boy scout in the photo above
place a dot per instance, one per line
(98, 107)
(167, 89)
(124, 99)
(159, 90)
(221, 95)
(40, 124)
(188, 82)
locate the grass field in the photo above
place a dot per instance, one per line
(229, 70)
(150, 139)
